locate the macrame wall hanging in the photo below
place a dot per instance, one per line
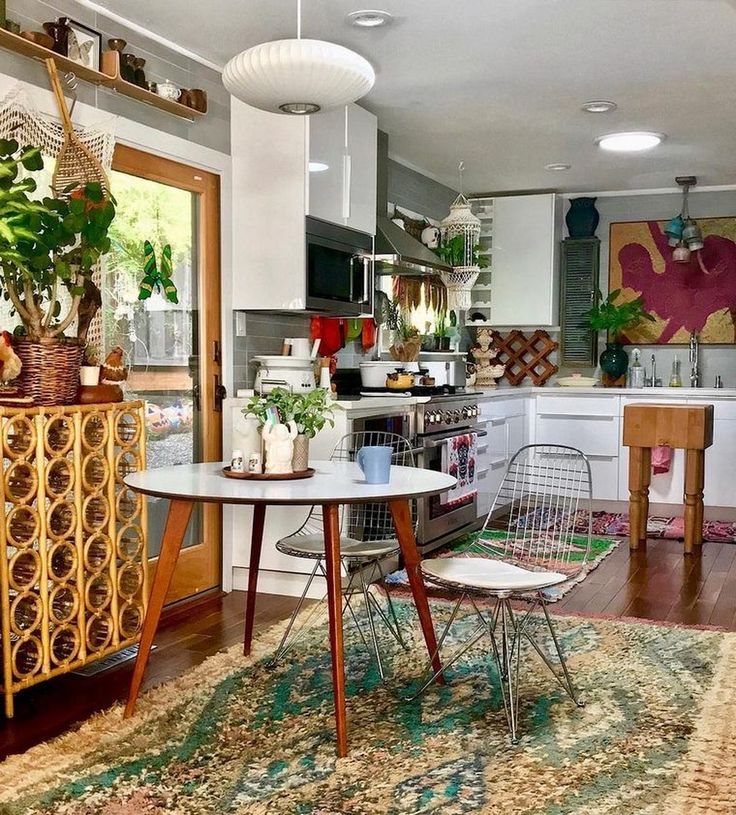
(20, 120)
(460, 233)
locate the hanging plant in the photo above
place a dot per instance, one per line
(155, 279)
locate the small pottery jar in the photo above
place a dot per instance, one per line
(582, 218)
(614, 360)
(185, 98)
(140, 75)
(59, 33)
(198, 99)
(300, 459)
(117, 44)
(127, 67)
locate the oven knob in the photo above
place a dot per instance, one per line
(466, 413)
(431, 418)
(457, 416)
(448, 417)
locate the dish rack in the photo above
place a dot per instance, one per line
(73, 566)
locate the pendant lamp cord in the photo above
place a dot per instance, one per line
(298, 19)
(460, 171)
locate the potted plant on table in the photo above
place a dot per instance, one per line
(614, 319)
(49, 248)
(311, 411)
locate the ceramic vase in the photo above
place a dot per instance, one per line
(300, 459)
(89, 375)
(614, 360)
(582, 218)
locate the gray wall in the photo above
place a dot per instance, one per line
(162, 63)
(715, 359)
(409, 189)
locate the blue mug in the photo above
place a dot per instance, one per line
(375, 462)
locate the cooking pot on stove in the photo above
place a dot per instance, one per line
(400, 380)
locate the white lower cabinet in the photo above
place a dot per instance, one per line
(720, 460)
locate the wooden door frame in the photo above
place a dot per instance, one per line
(200, 567)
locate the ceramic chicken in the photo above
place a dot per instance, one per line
(9, 360)
(113, 369)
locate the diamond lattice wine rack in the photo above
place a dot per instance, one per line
(73, 581)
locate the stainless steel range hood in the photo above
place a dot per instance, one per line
(396, 251)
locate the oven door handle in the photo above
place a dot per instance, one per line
(432, 443)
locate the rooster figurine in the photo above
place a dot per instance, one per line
(113, 370)
(9, 360)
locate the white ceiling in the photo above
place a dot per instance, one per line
(499, 83)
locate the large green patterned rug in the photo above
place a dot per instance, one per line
(656, 737)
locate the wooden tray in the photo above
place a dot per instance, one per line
(308, 473)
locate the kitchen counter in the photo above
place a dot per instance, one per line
(350, 403)
(658, 393)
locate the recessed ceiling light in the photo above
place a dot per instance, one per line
(318, 166)
(630, 142)
(599, 106)
(557, 168)
(369, 18)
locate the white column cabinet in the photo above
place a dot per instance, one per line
(327, 147)
(361, 169)
(525, 260)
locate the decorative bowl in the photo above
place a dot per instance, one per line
(168, 90)
(577, 381)
(39, 38)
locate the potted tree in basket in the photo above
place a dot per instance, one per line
(614, 319)
(48, 250)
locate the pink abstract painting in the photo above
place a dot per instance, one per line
(683, 297)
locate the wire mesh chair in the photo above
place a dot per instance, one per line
(367, 536)
(536, 536)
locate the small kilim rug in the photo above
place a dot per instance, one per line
(656, 737)
(599, 549)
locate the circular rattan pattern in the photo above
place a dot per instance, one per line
(61, 519)
(95, 512)
(24, 569)
(98, 592)
(21, 482)
(127, 429)
(64, 644)
(22, 526)
(99, 631)
(94, 431)
(25, 613)
(63, 603)
(58, 435)
(130, 580)
(97, 552)
(130, 542)
(59, 477)
(128, 504)
(26, 657)
(126, 463)
(131, 620)
(19, 437)
(62, 561)
(94, 472)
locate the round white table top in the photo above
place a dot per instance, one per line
(335, 482)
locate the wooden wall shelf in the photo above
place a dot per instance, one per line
(109, 77)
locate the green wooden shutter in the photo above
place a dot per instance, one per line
(579, 282)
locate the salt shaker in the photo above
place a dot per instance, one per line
(236, 462)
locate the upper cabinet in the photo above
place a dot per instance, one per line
(525, 260)
(342, 167)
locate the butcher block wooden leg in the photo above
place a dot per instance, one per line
(635, 496)
(256, 542)
(401, 514)
(694, 482)
(646, 480)
(331, 519)
(177, 521)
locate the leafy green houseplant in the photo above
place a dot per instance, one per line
(615, 319)
(452, 252)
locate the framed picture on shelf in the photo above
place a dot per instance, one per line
(84, 45)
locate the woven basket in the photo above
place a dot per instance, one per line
(50, 372)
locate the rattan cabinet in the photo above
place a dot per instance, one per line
(73, 579)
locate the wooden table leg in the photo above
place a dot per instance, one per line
(401, 514)
(646, 480)
(635, 502)
(256, 541)
(180, 511)
(694, 482)
(331, 518)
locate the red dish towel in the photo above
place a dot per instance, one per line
(661, 460)
(458, 460)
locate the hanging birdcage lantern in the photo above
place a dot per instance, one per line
(461, 223)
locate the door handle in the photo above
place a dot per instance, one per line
(196, 397)
(220, 394)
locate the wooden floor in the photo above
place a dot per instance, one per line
(655, 583)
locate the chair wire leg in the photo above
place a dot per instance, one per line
(282, 649)
(391, 609)
(568, 681)
(371, 624)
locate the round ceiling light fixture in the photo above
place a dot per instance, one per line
(599, 106)
(298, 76)
(369, 18)
(557, 167)
(630, 142)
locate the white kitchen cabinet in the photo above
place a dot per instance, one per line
(273, 192)
(720, 486)
(525, 265)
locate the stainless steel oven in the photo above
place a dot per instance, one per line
(399, 420)
(339, 269)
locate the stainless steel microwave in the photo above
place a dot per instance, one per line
(339, 269)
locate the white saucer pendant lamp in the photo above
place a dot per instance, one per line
(298, 76)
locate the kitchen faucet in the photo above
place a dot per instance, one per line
(693, 359)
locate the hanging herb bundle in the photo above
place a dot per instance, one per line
(155, 278)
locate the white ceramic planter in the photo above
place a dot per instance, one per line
(89, 375)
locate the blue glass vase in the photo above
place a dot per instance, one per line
(582, 218)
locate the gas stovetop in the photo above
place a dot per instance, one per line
(448, 412)
(434, 392)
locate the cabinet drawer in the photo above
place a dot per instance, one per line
(595, 436)
(500, 407)
(582, 405)
(604, 474)
(722, 408)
